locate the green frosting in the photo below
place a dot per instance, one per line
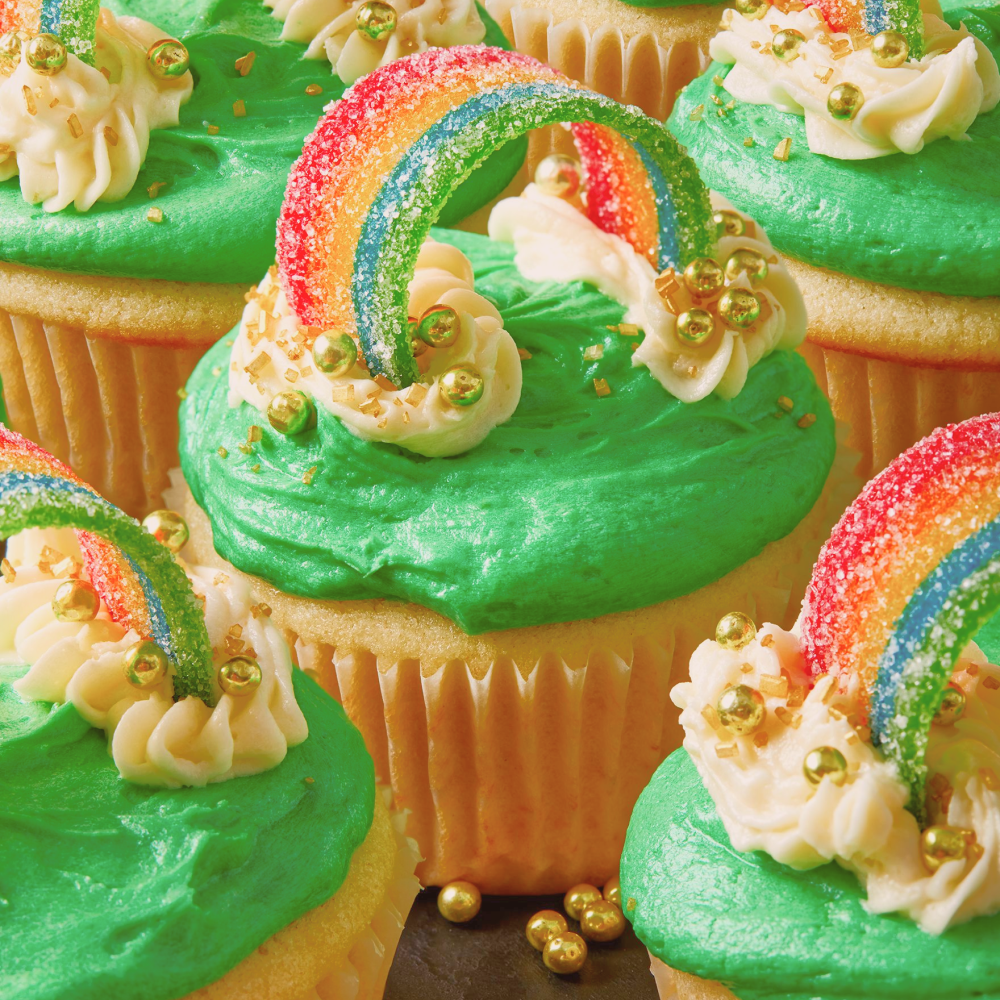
(110, 889)
(925, 222)
(577, 507)
(772, 933)
(223, 191)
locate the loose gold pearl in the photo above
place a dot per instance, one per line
(167, 59)
(845, 101)
(439, 326)
(565, 953)
(376, 20)
(613, 891)
(543, 925)
(939, 844)
(240, 676)
(786, 44)
(729, 223)
(559, 175)
(10, 51)
(825, 762)
(741, 709)
(704, 277)
(952, 706)
(335, 353)
(602, 921)
(695, 326)
(735, 631)
(578, 897)
(739, 307)
(75, 601)
(46, 55)
(459, 902)
(145, 664)
(753, 10)
(290, 412)
(168, 528)
(462, 385)
(747, 261)
(889, 49)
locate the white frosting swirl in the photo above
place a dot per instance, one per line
(328, 27)
(556, 242)
(80, 137)
(271, 355)
(904, 107)
(153, 739)
(767, 804)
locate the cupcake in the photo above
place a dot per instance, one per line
(868, 736)
(186, 814)
(489, 485)
(140, 203)
(831, 122)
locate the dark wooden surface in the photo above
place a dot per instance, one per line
(490, 959)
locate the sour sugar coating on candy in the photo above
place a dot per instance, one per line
(873, 16)
(73, 22)
(137, 577)
(365, 193)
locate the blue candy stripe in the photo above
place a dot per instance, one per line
(50, 17)
(669, 251)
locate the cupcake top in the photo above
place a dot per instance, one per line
(128, 855)
(122, 161)
(833, 123)
(588, 364)
(869, 736)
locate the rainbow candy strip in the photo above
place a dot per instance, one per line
(376, 172)
(873, 16)
(909, 575)
(74, 22)
(140, 582)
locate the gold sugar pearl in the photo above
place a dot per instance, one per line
(578, 897)
(168, 528)
(749, 262)
(753, 10)
(729, 223)
(459, 902)
(240, 676)
(952, 706)
(167, 59)
(565, 953)
(786, 44)
(845, 101)
(75, 601)
(334, 353)
(559, 175)
(735, 631)
(703, 277)
(376, 20)
(146, 664)
(10, 51)
(291, 412)
(46, 55)
(889, 49)
(939, 844)
(544, 925)
(741, 709)
(439, 326)
(612, 891)
(739, 307)
(695, 326)
(602, 921)
(825, 762)
(462, 385)
(417, 345)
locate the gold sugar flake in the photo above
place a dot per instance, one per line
(75, 128)
(182, 393)
(223, 452)
(255, 468)
(601, 387)
(782, 150)
(371, 408)
(54, 103)
(990, 779)
(68, 567)
(716, 100)
(991, 683)
(731, 105)
(381, 425)
(261, 610)
(216, 371)
(523, 354)
(593, 353)
(306, 372)
(155, 188)
(250, 652)
(789, 718)
(760, 740)
(234, 646)
(724, 750)
(851, 739)
(212, 129)
(709, 714)
(307, 476)
(245, 449)
(383, 383)
(796, 697)
(721, 112)
(256, 367)
(155, 215)
(314, 89)
(806, 420)
(776, 687)
(245, 63)
(767, 641)
(220, 580)
(746, 668)
(786, 404)
(416, 394)
(824, 74)
(717, 80)
(106, 73)
(972, 669)
(342, 393)
(239, 108)
(291, 375)
(110, 136)
(7, 571)
(29, 100)
(48, 558)
(696, 115)
(236, 631)
(255, 434)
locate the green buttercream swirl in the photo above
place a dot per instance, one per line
(111, 889)
(926, 222)
(769, 932)
(577, 507)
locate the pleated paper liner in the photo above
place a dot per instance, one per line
(519, 755)
(895, 363)
(92, 369)
(674, 985)
(343, 949)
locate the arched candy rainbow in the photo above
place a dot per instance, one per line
(873, 16)
(74, 22)
(376, 172)
(909, 575)
(140, 582)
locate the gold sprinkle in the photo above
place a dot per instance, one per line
(307, 476)
(371, 408)
(416, 394)
(717, 80)
(257, 366)
(785, 404)
(789, 718)
(630, 905)
(309, 781)
(748, 142)
(709, 714)
(223, 452)
(255, 468)
(383, 383)
(774, 28)
(767, 641)
(806, 420)
(342, 393)
(49, 556)
(861, 41)
(220, 580)
(291, 375)
(313, 89)
(823, 75)
(975, 852)
(261, 610)
(724, 750)
(396, 401)
(212, 129)
(233, 645)
(255, 434)
(182, 393)
(777, 687)
(991, 683)
(236, 631)
(245, 63)
(106, 73)
(782, 150)
(696, 115)
(851, 738)
(216, 371)
(716, 99)
(746, 668)
(68, 567)
(110, 135)
(381, 425)
(601, 387)
(240, 108)
(668, 288)
(155, 215)
(29, 100)
(842, 54)
(75, 128)
(731, 105)
(634, 345)
(523, 354)
(307, 371)
(406, 417)
(755, 44)
(836, 715)
(760, 740)
(155, 188)
(796, 697)
(8, 571)
(721, 113)
(250, 652)
(593, 353)
(246, 449)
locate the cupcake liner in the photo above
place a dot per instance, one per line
(674, 985)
